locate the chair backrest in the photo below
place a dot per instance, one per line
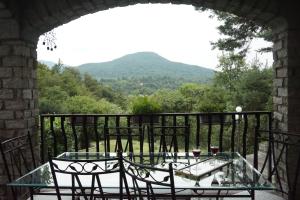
(85, 176)
(18, 157)
(149, 182)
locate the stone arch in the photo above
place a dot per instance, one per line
(42, 16)
(8, 23)
(23, 21)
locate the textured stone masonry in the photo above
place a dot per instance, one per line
(20, 27)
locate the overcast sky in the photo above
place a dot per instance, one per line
(176, 32)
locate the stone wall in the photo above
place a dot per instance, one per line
(18, 89)
(287, 96)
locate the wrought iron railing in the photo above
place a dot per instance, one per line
(284, 157)
(152, 133)
(249, 133)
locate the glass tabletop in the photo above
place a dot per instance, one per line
(225, 171)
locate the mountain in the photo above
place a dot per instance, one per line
(146, 64)
(50, 64)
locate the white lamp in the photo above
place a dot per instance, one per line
(238, 109)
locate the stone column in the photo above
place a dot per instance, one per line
(293, 94)
(18, 93)
(287, 99)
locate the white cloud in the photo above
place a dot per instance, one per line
(176, 32)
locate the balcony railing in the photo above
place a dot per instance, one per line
(249, 133)
(158, 132)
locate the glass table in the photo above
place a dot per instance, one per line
(223, 175)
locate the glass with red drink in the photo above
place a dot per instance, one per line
(214, 150)
(196, 152)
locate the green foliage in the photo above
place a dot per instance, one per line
(247, 85)
(190, 91)
(171, 101)
(145, 105)
(256, 85)
(232, 67)
(52, 100)
(238, 33)
(63, 90)
(213, 100)
(85, 104)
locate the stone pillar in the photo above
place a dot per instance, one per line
(293, 73)
(18, 93)
(287, 99)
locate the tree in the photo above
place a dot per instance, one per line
(232, 67)
(213, 100)
(58, 68)
(171, 101)
(72, 82)
(192, 92)
(52, 100)
(255, 89)
(86, 104)
(238, 33)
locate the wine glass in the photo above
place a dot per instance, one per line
(214, 150)
(196, 152)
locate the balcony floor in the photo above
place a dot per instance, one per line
(259, 195)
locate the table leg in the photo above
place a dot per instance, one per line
(31, 194)
(252, 194)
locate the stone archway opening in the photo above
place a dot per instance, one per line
(21, 23)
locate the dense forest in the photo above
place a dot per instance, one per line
(64, 89)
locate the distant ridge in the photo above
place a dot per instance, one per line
(50, 64)
(146, 64)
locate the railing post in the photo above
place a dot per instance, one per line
(42, 136)
(270, 137)
(174, 138)
(119, 147)
(96, 133)
(62, 125)
(198, 131)
(256, 145)
(186, 133)
(233, 124)
(151, 142)
(86, 137)
(221, 132)
(130, 139)
(209, 133)
(73, 118)
(141, 134)
(52, 119)
(244, 153)
(106, 136)
(163, 135)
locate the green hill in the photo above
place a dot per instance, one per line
(146, 64)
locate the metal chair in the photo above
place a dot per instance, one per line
(85, 177)
(145, 177)
(18, 159)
